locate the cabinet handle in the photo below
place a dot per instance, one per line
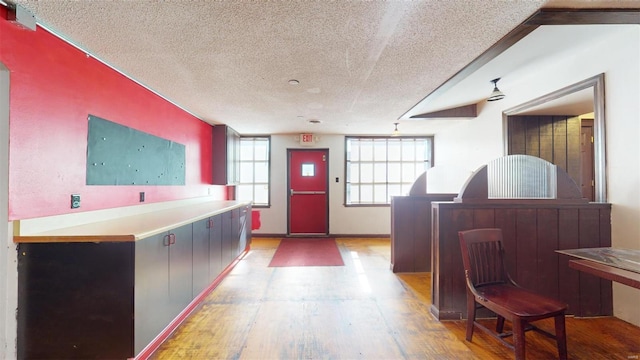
(210, 223)
(172, 239)
(166, 241)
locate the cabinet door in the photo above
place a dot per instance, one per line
(233, 150)
(225, 148)
(151, 289)
(215, 247)
(227, 239)
(244, 215)
(201, 251)
(235, 232)
(180, 269)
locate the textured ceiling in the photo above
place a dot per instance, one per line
(360, 64)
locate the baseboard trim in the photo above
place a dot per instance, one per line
(369, 236)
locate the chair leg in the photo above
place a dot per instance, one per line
(500, 324)
(518, 338)
(471, 315)
(561, 337)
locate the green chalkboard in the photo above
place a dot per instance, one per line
(120, 155)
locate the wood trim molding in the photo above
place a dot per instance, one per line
(466, 111)
(585, 17)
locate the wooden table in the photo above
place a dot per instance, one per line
(620, 265)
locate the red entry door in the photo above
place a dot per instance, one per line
(308, 195)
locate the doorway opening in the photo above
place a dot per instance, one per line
(551, 127)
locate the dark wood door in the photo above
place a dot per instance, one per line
(586, 158)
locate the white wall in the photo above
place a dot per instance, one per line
(618, 57)
(8, 266)
(342, 220)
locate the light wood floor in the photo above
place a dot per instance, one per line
(357, 311)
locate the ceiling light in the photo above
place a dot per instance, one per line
(294, 82)
(395, 132)
(496, 94)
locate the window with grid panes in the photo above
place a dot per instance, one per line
(378, 168)
(253, 184)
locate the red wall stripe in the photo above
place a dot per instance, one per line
(54, 86)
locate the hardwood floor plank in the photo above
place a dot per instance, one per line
(360, 310)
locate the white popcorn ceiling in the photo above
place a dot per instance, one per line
(360, 64)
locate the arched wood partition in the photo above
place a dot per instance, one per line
(533, 229)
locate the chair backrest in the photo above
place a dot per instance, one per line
(483, 257)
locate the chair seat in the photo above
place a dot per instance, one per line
(519, 302)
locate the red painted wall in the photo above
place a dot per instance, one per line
(54, 87)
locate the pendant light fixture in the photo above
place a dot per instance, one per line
(395, 132)
(496, 94)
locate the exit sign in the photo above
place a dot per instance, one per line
(306, 139)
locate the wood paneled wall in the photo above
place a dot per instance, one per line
(552, 138)
(411, 231)
(532, 233)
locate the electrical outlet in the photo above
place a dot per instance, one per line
(75, 201)
(141, 196)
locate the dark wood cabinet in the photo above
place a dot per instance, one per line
(110, 298)
(532, 234)
(534, 224)
(76, 301)
(225, 147)
(411, 231)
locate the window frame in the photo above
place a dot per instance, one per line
(347, 163)
(240, 161)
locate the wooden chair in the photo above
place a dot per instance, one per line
(489, 285)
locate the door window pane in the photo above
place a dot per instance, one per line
(308, 169)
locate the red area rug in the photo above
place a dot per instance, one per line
(307, 252)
